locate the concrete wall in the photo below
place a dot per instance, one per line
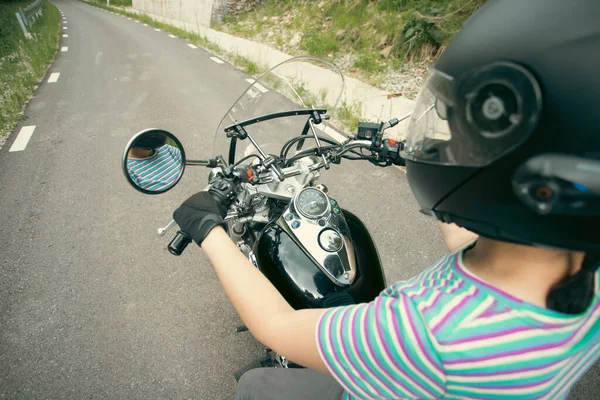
(195, 12)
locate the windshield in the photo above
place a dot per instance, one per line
(297, 84)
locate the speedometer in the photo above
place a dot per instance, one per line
(312, 203)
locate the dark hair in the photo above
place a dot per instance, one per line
(575, 295)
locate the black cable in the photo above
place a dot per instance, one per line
(287, 145)
(245, 158)
(305, 153)
(358, 158)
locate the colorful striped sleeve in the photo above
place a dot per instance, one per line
(381, 350)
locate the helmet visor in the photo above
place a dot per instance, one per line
(468, 125)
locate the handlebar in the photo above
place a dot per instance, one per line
(179, 243)
(383, 152)
(223, 191)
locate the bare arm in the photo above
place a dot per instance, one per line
(269, 317)
(456, 237)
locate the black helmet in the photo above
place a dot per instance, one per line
(505, 136)
(150, 140)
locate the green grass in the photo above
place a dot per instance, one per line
(122, 3)
(349, 115)
(23, 62)
(320, 45)
(409, 29)
(369, 62)
(249, 67)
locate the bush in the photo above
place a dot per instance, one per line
(420, 38)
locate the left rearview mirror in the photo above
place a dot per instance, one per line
(153, 161)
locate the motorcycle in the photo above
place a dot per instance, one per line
(317, 253)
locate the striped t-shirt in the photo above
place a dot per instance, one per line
(447, 334)
(156, 172)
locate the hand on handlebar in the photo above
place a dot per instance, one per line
(199, 214)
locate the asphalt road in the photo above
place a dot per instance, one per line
(92, 305)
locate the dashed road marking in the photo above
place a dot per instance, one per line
(65, 35)
(157, 30)
(191, 46)
(173, 36)
(22, 138)
(65, 28)
(217, 60)
(64, 48)
(258, 85)
(137, 21)
(145, 24)
(53, 77)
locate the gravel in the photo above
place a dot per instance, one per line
(407, 81)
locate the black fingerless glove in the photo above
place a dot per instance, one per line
(198, 215)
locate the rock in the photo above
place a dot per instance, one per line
(385, 53)
(354, 34)
(274, 19)
(340, 34)
(383, 41)
(295, 41)
(264, 18)
(270, 34)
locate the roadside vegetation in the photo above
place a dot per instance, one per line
(120, 3)
(379, 42)
(387, 43)
(23, 62)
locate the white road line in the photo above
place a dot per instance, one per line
(64, 48)
(217, 60)
(173, 36)
(65, 35)
(65, 28)
(137, 21)
(53, 77)
(145, 24)
(129, 18)
(23, 138)
(191, 46)
(157, 30)
(65, 21)
(258, 85)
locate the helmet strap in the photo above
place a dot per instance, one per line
(575, 295)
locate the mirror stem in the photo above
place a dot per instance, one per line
(202, 163)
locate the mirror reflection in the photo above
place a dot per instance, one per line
(154, 161)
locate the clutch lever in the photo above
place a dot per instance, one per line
(170, 225)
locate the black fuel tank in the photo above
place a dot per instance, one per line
(302, 282)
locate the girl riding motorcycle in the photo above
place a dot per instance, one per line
(503, 142)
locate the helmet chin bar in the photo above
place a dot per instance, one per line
(559, 184)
